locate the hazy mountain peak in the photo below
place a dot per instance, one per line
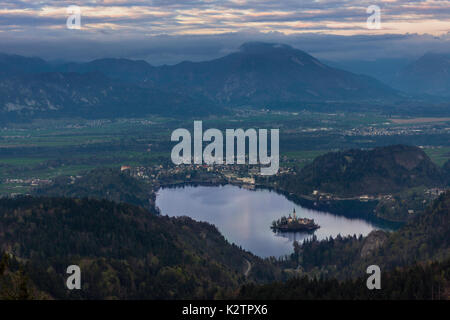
(256, 46)
(7, 56)
(430, 74)
(12, 64)
(283, 53)
(431, 60)
(431, 54)
(121, 61)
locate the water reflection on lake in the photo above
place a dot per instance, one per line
(244, 217)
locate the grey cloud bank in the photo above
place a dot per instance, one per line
(158, 50)
(169, 31)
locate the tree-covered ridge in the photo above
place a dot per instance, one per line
(124, 251)
(446, 168)
(357, 172)
(102, 183)
(420, 282)
(425, 238)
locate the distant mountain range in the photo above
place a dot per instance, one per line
(384, 70)
(258, 75)
(262, 74)
(428, 75)
(89, 95)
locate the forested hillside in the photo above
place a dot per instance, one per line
(414, 263)
(127, 252)
(358, 172)
(14, 283)
(123, 251)
(102, 183)
(425, 238)
(420, 282)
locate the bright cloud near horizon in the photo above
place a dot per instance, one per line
(169, 17)
(112, 20)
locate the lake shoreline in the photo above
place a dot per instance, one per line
(244, 216)
(350, 208)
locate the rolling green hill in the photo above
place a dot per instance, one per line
(102, 183)
(351, 173)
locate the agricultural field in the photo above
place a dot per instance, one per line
(44, 149)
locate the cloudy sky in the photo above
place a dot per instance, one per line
(168, 31)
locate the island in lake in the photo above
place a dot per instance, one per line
(294, 224)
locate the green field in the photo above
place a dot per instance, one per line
(45, 149)
(439, 155)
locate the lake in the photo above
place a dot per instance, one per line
(244, 216)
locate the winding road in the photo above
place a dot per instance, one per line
(249, 267)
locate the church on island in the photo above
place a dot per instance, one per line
(294, 224)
